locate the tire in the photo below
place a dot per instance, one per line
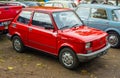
(68, 58)
(17, 44)
(114, 39)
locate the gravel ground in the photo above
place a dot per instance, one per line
(36, 64)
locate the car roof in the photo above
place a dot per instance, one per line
(47, 9)
(100, 6)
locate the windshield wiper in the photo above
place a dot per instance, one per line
(64, 27)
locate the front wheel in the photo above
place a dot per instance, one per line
(17, 44)
(68, 58)
(114, 39)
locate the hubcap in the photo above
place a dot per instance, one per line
(113, 40)
(67, 59)
(17, 44)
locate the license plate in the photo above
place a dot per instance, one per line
(102, 53)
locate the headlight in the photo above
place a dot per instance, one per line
(88, 45)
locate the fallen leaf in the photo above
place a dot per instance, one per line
(10, 68)
(84, 72)
(92, 76)
(39, 64)
(1, 60)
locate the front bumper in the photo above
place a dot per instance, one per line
(92, 55)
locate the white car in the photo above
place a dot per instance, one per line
(62, 4)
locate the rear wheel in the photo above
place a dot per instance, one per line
(17, 44)
(114, 39)
(68, 58)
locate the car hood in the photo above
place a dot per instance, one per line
(83, 33)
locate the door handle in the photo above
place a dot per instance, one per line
(30, 29)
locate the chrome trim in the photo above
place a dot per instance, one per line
(85, 57)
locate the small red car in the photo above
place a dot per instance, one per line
(59, 32)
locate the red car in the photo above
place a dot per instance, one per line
(59, 32)
(7, 13)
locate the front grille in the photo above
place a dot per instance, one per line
(98, 44)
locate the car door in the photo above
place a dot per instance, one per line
(83, 13)
(41, 33)
(98, 19)
(20, 26)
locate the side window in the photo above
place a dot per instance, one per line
(83, 12)
(41, 19)
(114, 16)
(24, 17)
(58, 5)
(98, 13)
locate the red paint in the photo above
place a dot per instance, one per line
(52, 40)
(1, 28)
(8, 13)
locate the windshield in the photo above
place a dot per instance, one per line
(116, 15)
(66, 19)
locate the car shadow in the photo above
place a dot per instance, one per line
(90, 66)
(41, 54)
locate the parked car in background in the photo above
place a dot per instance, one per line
(17, 3)
(31, 3)
(7, 14)
(113, 2)
(42, 3)
(57, 31)
(109, 2)
(24, 4)
(104, 17)
(62, 4)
